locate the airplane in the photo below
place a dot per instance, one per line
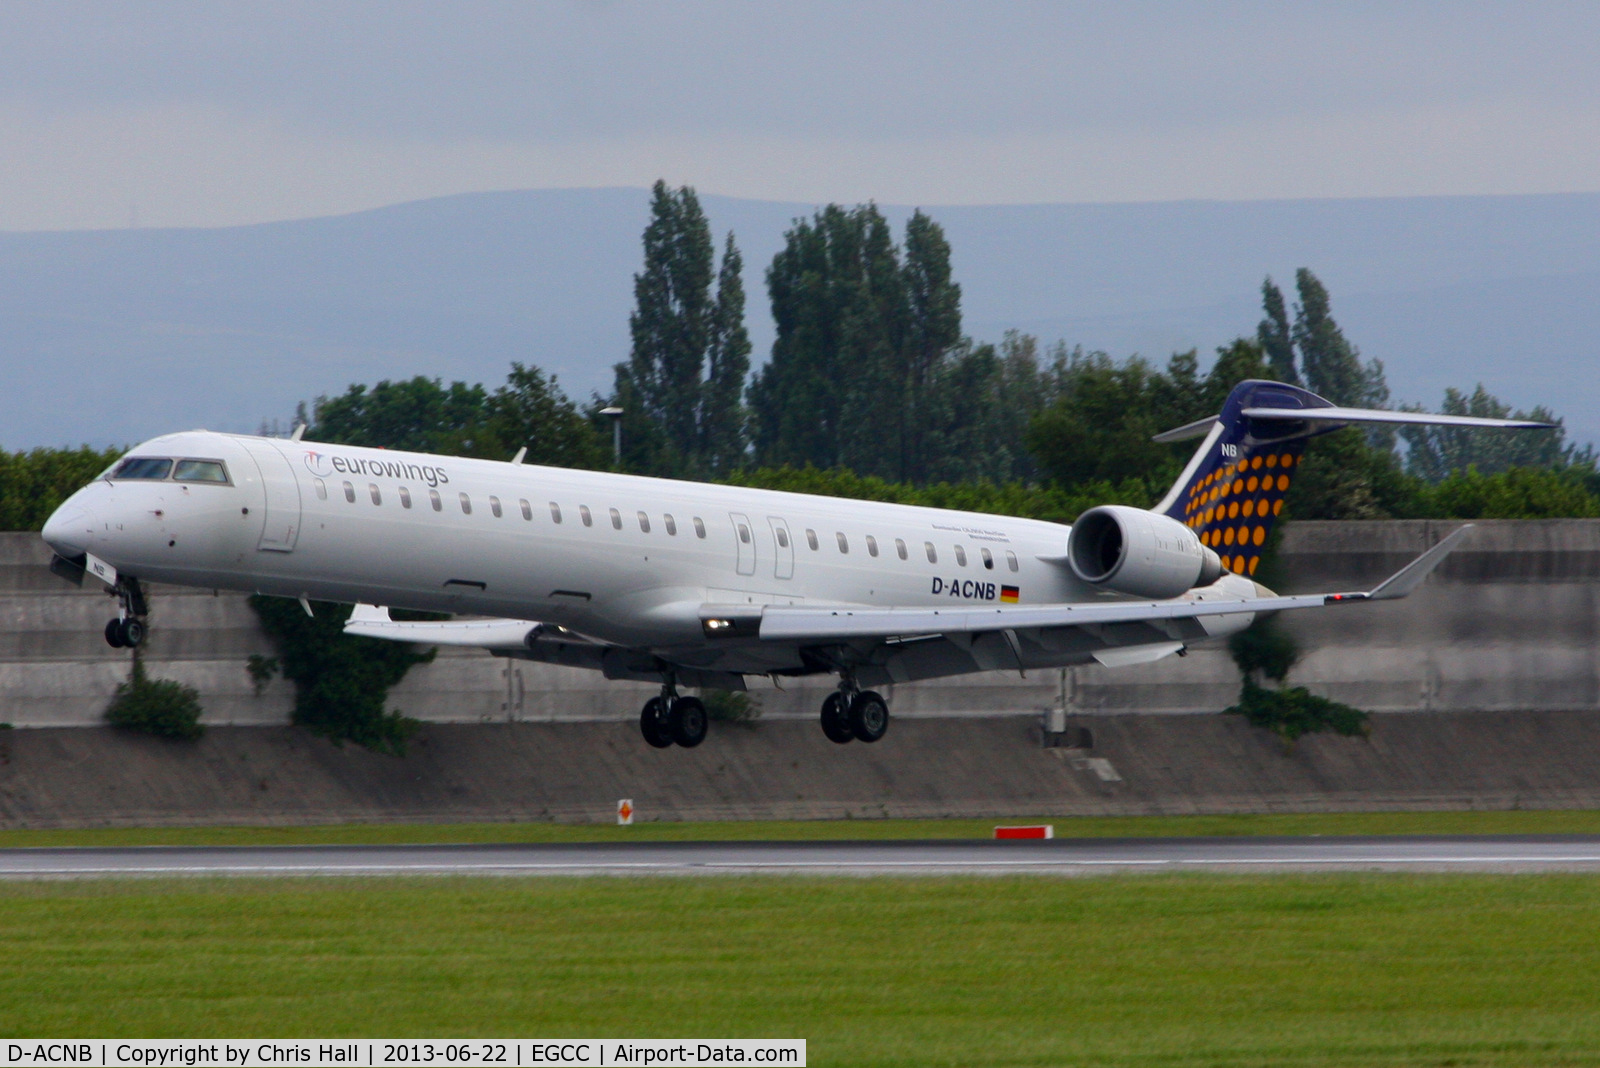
(698, 585)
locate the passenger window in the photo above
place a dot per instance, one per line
(699, 528)
(900, 547)
(872, 545)
(583, 514)
(961, 556)
(405, 497)
(527, 509)
(672, 527)
(1011, 559)
(466, 504)
(933, 554)
(616, 519)
(988, 560)
(783, 538)
(349, 493)
(372, 488)
(494, 506)
(200, 471)
(844, 546)
(811, 538)
(438, 505)
(555, 511)
(744, 533)
(644, 523)
(322, 489)
(142, 467)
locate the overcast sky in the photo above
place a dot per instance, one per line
(218, 113)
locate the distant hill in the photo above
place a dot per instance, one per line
(112, 336)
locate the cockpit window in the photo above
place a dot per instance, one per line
(152, 467)
(200, 471)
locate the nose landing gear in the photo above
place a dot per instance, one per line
(670, 719)
(127, 630)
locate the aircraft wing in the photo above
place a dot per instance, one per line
(800, 623)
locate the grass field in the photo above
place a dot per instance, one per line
(1150, 970)
(1538, 822)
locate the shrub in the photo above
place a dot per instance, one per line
(730, 706)
(1294, 710)
(162, 707)
(341, 683)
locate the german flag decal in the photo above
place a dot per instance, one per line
(1008, 594)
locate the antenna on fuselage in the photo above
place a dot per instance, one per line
(517, 459)
(298, 432)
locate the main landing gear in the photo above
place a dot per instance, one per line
(127, 630)
(673, 720)
(850, 713)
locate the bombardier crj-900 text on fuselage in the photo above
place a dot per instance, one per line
(702, 585)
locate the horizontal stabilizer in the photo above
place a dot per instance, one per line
(1374, 415)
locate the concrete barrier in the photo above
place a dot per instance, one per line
(1508, 623)
(980, 768)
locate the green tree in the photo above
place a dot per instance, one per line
(33, 484)
(1331, 365)
(418, 415)
(933, 330)
(1437, 451)
(1274, 337)
(423, 415)
(341, 683)
(679, 421)
(531, 410)
(724, 434)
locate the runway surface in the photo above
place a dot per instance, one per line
(942, 857)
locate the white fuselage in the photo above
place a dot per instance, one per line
(628, 560)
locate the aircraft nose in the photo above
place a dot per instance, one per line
(69, 530)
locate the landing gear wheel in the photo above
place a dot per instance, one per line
(835, 720)
(653, 723)
(132, 633)
(688, 722)
(114, 637)
(869, 716)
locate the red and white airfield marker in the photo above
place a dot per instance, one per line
(1041, 830)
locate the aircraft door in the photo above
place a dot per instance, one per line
(744, 538)
(782, 549)
(281, 527)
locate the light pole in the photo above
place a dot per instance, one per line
(614, 414)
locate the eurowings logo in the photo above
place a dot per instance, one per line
(324, 465)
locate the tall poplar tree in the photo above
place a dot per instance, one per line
(723, 433)
(1274, 336)
(862, 338)
(678, 421)
(1332, 366)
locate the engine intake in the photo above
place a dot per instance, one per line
(1139, 553)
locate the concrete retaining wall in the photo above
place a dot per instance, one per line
(785, 769)
(1508, 623)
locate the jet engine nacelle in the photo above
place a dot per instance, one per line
(1140, 553)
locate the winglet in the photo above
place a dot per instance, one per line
(1408, 578)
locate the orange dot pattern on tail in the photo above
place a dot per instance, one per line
(1234, 506)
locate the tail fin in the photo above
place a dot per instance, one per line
(1233, 488)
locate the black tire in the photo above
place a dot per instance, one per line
(653, 724)
(688, 721)
(132, 633)
(835, 721)
(114, 635)
(869, 716)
